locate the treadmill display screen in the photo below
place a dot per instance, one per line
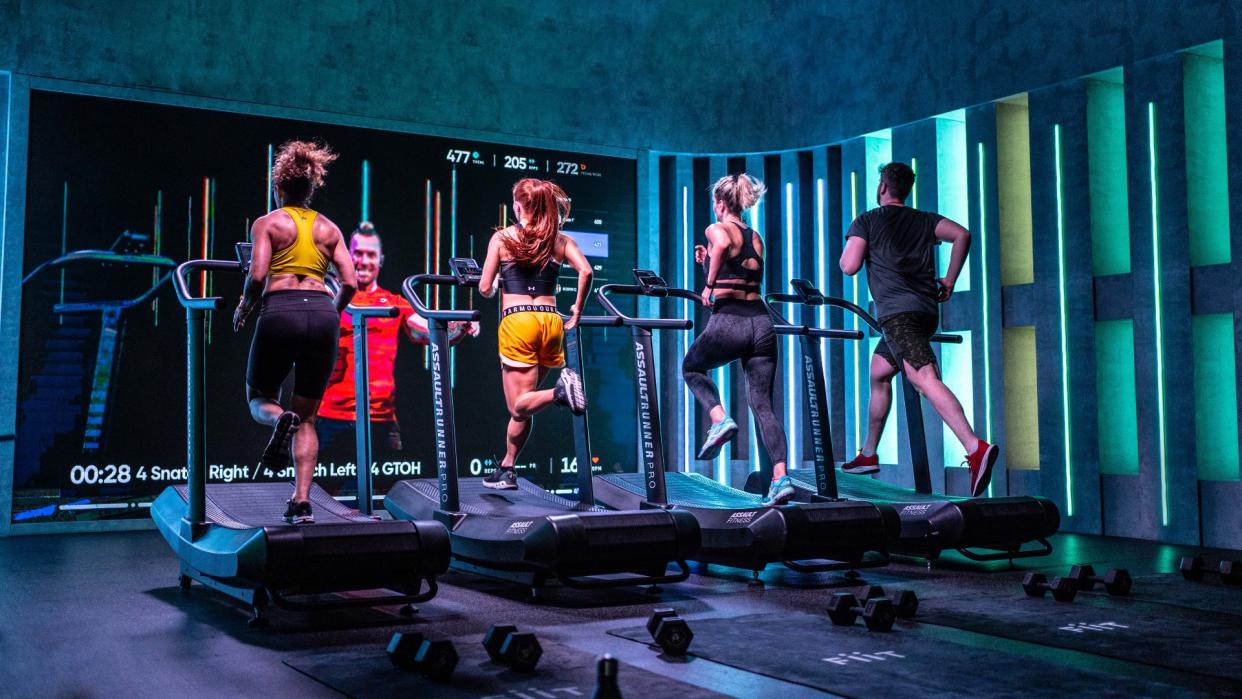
(101, 408)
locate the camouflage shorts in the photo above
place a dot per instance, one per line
(909, 334)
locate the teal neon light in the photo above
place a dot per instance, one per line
(366, 191)
(854, 319)
(1155, 255)
(821, 255)
(914, 191)
(757, 225)
(270, 193)
(1065, 396)
(987, 324)
(791, 374)
(687, 414)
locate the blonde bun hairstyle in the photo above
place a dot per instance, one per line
(738, 192)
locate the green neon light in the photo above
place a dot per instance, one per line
(854, 345)
(914, 191)
(1155, 256)
(1065, 396)
(986, 330)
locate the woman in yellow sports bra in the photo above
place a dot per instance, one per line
(299, 319)
(526, 259)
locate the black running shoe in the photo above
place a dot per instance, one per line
(501, 479)
(569, 392)
(299, 512)
(276, 453)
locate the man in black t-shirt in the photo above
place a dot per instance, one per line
(897, 244)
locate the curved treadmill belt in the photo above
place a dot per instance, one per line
(529, 500)
(856, 487)
(689, 490)
(253, 505)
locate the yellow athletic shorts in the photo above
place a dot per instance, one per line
(532, 338)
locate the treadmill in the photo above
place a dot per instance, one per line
(529, 535)
(737, 530)
(981, 529)
(232, 537)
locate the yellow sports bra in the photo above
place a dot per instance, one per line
(302, 258)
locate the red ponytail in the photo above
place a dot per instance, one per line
(545, 206)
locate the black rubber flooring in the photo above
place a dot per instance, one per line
(101, 615)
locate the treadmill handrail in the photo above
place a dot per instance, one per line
(944, 338)
(101, 256)
(189, 300)
(410, 291)
(649, 323)
(373, 311)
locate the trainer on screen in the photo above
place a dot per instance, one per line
(297, 326)
(338, 412)
(897, 243)
(526, 259)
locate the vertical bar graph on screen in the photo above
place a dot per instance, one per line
(985, 326)
(365, 208)
(791, 373)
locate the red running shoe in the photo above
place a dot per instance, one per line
(862, 465)
(981, 463)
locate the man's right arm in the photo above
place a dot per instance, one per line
(958, 237)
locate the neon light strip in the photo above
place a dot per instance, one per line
(437, 254)
(64, 239)
(791, 388)
(155, 273)
(427, 253)
(4, 188)
(687, 414)
(983, 262)
(1065, 395)
(914, 193)
(821, 256)
(854, 345)
(202, 276)
(270, 164)
(755, 219)
(1155, 255)
(366, 190)
(453, 253)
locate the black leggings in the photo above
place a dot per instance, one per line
(739, 330)
(295, 329)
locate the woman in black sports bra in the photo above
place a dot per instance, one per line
(739, 328)
(525, 260)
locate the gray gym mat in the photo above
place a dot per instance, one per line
(852, 661)
(562, 672)
(1117, 628)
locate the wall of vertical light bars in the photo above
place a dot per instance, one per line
(999, 348)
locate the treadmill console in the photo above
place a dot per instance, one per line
(244, 251)
(466, 270)
(650, 281)
(810, 295)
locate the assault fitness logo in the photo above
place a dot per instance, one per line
(519, 527)
(741, 517)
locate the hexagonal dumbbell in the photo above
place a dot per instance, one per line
(1193, 568)
(518, 650)
(1116, 581)
(878, 613)
(669, 631)
(1037, 585)
(905, 602)
(412, 652)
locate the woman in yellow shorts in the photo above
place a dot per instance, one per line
(525, 260)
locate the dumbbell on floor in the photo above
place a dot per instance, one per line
(878, 613)
(1116, 581)
(669, 631)
(413, 653)
(1193, 568)
(508, 646)
(1037, 585)
(905, 602)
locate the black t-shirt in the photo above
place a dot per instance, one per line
(901, 262)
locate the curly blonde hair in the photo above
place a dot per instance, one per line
(300, 169)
